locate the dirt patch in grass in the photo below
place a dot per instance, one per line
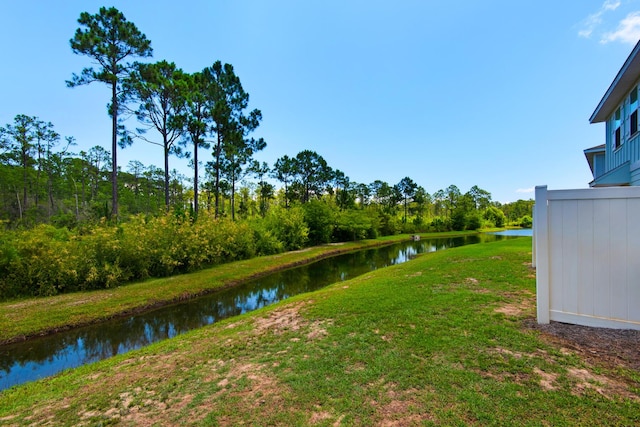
(610, 349)
(289, 319)
(582, 379)
(250, 387)
(520, 304)
(547, 379)
(280, 321)
(399, 408)
(586, 380)
(515, 310)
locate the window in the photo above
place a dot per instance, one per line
(617, 121)
(633, 108)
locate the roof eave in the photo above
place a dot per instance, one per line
(621, 85)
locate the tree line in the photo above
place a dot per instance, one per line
(79, 220)
(184, 114)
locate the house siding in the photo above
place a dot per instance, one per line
(635, 173)
(629, 151)
(599, 165)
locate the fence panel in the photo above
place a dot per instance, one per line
(587, 256)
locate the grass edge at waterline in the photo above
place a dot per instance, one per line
(29, 317)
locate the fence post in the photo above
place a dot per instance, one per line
(533, 238)
(541, 238)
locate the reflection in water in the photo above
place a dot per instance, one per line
(42, 357)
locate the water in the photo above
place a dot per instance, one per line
(516, 232)
(46, 356)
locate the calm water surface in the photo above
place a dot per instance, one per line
(42, 357)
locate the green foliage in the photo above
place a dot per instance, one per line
(108, 39)
(440, 224)
(38, 262)
(264, 239)
(409, 228)
(289, 226)
(389, 224)
(353, 225)
(517, 209)
(495, 216)
(320, 218)
(473, 221)
(526, 221)
(47, 261)
(458, 220)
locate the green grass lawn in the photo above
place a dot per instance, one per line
(440, 340)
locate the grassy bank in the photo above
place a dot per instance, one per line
(39, 316)
(440, 340)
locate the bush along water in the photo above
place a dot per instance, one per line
(47, 261)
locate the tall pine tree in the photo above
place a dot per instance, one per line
(109, 39)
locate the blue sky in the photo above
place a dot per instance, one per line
(490, 93)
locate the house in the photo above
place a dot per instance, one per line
(617, 162)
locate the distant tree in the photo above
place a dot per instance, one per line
(238, 155)
(526, 221)
(312, 174)
(376, 189)
(266, 190)
(422, 199)
(458, 220)
(495, 215)
(45, 140)
(109, 39)
(353, 224)
(439, 207)
(196, 124)
(452, 195)
(344, 190)
(481, 198)
(226, 102)
(136, 168)
(320, 218)
(99, 161)
(283, 171)
(53, 164)
(363, 193)
(159, 91)
(385, 196)
(18, 148)
(518, 209)
(408, 189)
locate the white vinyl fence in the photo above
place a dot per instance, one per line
(586, 252)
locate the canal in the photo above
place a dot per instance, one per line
(45, 356)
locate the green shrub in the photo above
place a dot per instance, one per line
(389, 225)
(289, 226)
(352, 224)
(46, 260)
(526, 221)
(265, 241)
(320, 218)
(38, 262)
(496, 216)
(439, 225)
(409, 228)
(458, 220)
(473, 221)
